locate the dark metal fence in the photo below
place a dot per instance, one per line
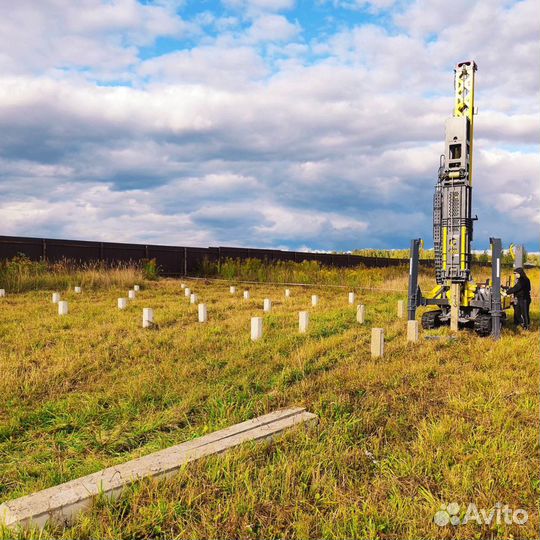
(172, 260)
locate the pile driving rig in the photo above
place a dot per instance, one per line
(459, 300)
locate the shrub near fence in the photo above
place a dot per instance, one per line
(21, 274)
(172, 260)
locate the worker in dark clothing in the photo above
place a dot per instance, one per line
(522, 295)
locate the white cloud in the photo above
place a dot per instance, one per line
(87, 34)
(373, 6)
(271, 28)
(251, 6)
(256, 136)
(211, 65)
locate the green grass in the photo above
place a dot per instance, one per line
(434, 422)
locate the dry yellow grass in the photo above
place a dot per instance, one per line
(431, 423)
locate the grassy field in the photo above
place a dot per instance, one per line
(448, 420)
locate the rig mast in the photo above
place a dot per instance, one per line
(452, 205)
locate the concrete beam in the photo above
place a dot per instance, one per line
(256, 328)
(412, 331)
(455, 299)
(377, 342)
(147, 317)
(361, 313)
(62, 307)
(303, 321)
(203, 313)
(62, 503)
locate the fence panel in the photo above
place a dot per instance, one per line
(169, 259)
(236, 253)
(11, 246)
(56, 250)
(123, 253)
(195, 258)
(174, 260)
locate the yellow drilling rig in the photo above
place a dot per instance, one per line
(459, 301)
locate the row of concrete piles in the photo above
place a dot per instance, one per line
(377, 334)
(63, 308)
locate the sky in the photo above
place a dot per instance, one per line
(288, 124)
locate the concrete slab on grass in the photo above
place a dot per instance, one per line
(62, 503)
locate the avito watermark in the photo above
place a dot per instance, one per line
(449, 514)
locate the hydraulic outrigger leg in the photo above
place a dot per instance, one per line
(496, 304)
(414, 291)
